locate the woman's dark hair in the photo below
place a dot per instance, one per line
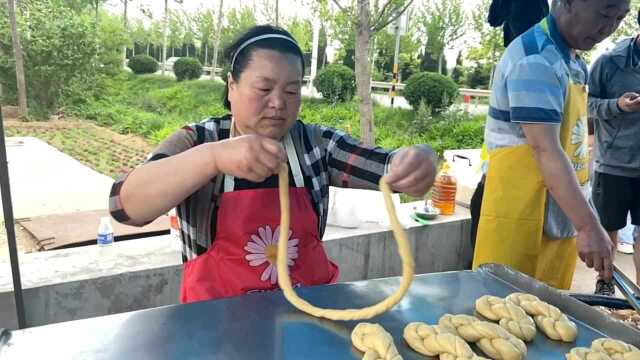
(244, 56)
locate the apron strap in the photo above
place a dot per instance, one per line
(229, 181)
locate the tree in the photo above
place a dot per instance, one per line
(189, 34)
(458, 71)
(443, 23)
(176, 34)
(341, 28)
(216, 45)
(302, 31)
(59, 54)
(369, 21)
(270, 11)
(96, 6)
(19, 61)
(112, 40)
(238, 21)
(629, 26)
(409, 47)
(204, 31)
(125, 27)
(165, 23)
(490, 44)
(138, 34)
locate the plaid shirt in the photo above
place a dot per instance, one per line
(328, 157)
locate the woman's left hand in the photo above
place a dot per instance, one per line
(412, 170)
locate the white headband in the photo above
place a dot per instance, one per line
(261, 37)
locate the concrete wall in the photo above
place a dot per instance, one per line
(78, 283)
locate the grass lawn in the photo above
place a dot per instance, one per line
(101, 149)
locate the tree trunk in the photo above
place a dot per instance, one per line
(124, 48)
(216, 44)
(440, 63)
(206, 53)
(314, 52)
(363, 73)
(17, 51)
(173, 52)
(277, 12)
(164, 34)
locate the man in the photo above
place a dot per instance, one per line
(534, 215)
(614, 106)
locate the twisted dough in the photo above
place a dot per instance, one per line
(349, 314)
(493, 340)
(375, 342)
(616, 349)
(511, 317)
(433, 340)
(582, 353)
(549, 318)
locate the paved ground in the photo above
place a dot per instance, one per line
(45, 181)
(584, 279)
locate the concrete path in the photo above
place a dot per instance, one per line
(45, 181)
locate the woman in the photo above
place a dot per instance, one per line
(221, 174)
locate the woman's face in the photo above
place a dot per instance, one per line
(266, 99)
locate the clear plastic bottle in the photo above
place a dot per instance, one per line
(105, 243)
(444, 191)
(174, 230)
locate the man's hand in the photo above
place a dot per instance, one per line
(595, 249)
(629, 102)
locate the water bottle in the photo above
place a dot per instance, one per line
(105, 243)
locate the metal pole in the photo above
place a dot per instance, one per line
(396, 55)
(7, 207)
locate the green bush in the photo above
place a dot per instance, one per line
(479, 77)
(437, 92)
(336, 82)
(143, 64)
(187, 68)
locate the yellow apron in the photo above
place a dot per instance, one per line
(510, 230)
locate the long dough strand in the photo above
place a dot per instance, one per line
(348, 314)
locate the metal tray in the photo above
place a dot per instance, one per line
(265, 326)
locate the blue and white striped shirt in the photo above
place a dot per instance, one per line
(530, 85)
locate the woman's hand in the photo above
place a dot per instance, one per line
(250, 157)
(412, 170)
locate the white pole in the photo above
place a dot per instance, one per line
(164, 35)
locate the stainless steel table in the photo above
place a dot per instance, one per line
(265, 326)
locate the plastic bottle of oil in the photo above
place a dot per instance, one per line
(444, 191)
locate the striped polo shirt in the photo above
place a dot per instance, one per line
(530, 85)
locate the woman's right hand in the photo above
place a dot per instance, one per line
(250, 157)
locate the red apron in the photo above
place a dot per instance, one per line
(242, 258)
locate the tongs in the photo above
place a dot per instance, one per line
(628, 288)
